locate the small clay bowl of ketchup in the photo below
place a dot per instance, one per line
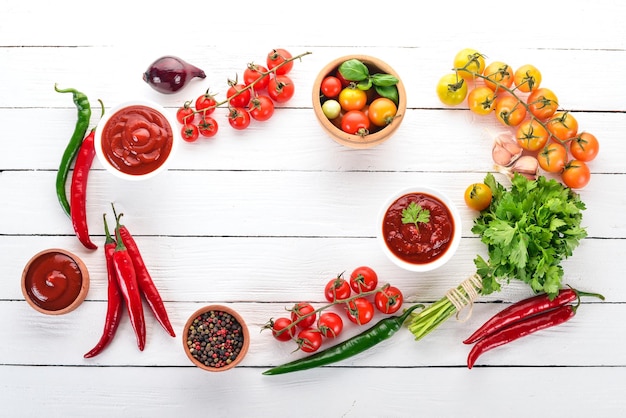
(55, 281)
(419, 228)
(135, 140)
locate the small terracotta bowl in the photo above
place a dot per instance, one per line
(375, 137)
(55, 281)
(232, 344)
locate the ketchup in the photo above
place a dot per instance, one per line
(53, 281)
(422, 243)
(137, 139)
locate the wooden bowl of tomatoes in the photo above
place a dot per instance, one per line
(359, 100)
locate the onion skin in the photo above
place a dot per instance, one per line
(169, 74)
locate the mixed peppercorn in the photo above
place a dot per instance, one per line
(215, 338)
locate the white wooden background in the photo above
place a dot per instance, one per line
(263, 218)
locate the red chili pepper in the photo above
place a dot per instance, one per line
(144, 280)
(114, 302)
(127, 279)
(78, 190)
(524, 309)
(521, 329)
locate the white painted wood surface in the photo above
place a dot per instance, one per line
(261, 219)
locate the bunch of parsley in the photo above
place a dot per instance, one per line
(529, 229)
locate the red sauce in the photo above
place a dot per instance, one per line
(137, 139)
(53, 281)
(423, 244)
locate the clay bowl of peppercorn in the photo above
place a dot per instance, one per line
(216, 338)
(359, 100)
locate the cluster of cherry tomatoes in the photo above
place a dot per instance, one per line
(252, 98)
(356, 101)
(360, 297)
(542, 129)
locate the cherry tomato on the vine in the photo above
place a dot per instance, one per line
(277, 326)
(239, 118)
(469, 62)
(478, 196)
(563, 126)
(189, 132)
(185, 114)
(331, 87)
(337, 288)
(389, 300)
(240, 100)
(363, 279)
(498, 74)
(208, 126)
(509, 110)
(303, 310)
(360, 311)
(280, 88)
(451, 89)
(552, 157)
(527, 78)
(531, 135)
(382, 111)
(309, 340)
(576, 174)
(584, 147)
(261, 108)
(355, 122)
(330, 324)
(276, 57)
(206, 101)
(352, 98)
(254, 72)
(481, 100)
(542, 103)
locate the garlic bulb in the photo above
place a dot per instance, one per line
(505, 150)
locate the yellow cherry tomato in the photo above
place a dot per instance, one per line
(451, 89)
(527, 78)
(352, 98)
(481, 100)
(469, 62)
(478, 196)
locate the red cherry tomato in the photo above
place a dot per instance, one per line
(253, 73)
(185, 114)
(206, 101)
(360, 311)
(355, 122)
(280, 88)
(331, 87)
(363, 279)
(337, 288)
(261, 108)
(309, 340)
(276, 57)
(305, 311)
(208, 127)
(281, 324)
(239, 118)
(189, 132)
(389, 300)
(584, 147)
(330, 324)
(242, 99)
(576, 174)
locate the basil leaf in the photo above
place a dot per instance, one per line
(364, 84)
(354, 70)
(384, 80)
(390, 92)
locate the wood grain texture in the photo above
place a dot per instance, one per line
(263, 218)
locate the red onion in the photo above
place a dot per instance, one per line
(169, 74)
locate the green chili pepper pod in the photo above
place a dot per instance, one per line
(381, 331)
(84, 115)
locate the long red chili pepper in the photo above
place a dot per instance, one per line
(78, 190)
(144, 280)
(521, 329)
(114, 301)
(524, 309)
(127, 279)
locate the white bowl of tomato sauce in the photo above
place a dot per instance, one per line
(419, 228)
(135, 140)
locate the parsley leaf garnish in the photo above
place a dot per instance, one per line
(414, 214)
(528, 229)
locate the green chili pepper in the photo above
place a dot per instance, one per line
(381, 331)
(84, 115)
